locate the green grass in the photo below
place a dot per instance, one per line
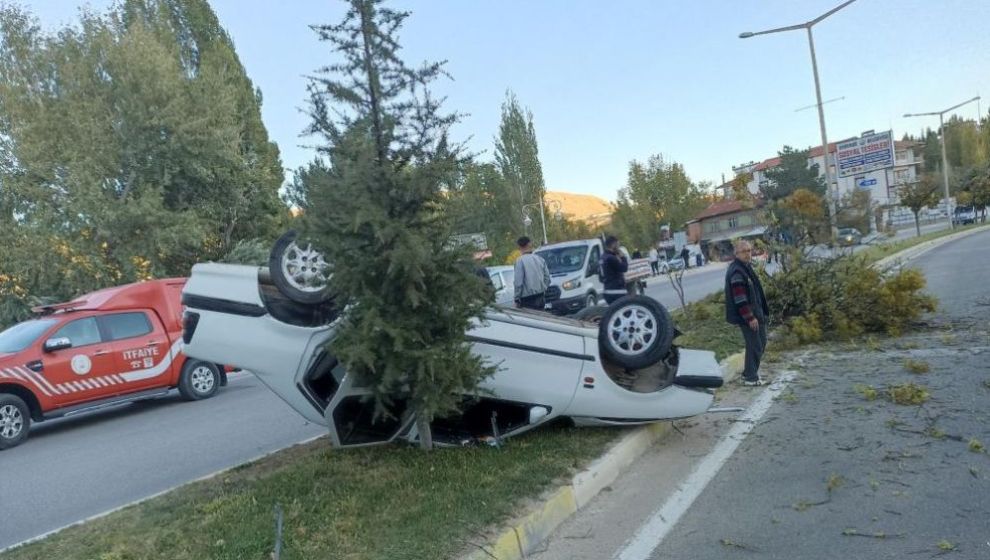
(877, 252)
(393, 502)
(704, 327)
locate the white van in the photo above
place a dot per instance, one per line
(575, 282)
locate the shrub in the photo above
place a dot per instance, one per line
(907, 394)
(844, 297)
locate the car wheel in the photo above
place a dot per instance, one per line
(591, 314)
(199, 380)
(635, 332)
(15, 421)
(302, 274)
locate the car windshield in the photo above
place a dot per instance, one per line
(564, 259)
(21, 335)
(848, 232)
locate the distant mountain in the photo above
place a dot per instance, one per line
(585, 207)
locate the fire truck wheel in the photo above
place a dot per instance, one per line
(15, 420)
(199, 380)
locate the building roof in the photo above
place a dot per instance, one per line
(721, 207)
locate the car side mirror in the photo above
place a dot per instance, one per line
(592, 271)
(58, 343)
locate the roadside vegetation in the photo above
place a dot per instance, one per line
(390, 502)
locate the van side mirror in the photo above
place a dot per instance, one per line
(59, 343)
(592, 271)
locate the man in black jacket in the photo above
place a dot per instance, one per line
(614, 267)
(746, 306)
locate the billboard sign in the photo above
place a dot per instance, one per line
(866, 153)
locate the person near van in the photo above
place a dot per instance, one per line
(654, 257)
(532, 277)
(614, 267)
(746, 306)
(686, 257)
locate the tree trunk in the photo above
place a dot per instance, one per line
(917, 224)
(425, 433)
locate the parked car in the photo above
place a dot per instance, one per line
(575, 278)
(668, 265)
(105, 348)
(504, 283)
(848, 237)
(963, 215)
(622, 370)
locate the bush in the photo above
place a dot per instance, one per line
(844, 297)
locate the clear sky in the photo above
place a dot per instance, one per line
(613, 81)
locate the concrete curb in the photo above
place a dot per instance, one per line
(922, 248)
(524, 534)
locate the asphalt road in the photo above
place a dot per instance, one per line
(72, 469)
(826, 473)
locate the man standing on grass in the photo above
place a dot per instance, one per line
(532, 277)
(746, 306)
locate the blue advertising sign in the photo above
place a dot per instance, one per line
(865, 154)
(865, 183)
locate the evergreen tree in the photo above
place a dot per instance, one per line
(517, 157)
(409, 295)
(791, 174)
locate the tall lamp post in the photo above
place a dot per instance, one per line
(945, 159)
(527, 221)
(818, 95)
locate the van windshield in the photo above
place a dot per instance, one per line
(564, 259)
(21, 335)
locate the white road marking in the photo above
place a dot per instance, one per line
(651, 534)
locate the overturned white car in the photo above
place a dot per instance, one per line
(624, 370)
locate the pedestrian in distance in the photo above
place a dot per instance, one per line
(614, 266)
(697, 260)
(532, 277)
(637, 255)
(686, 257)
(746, 306)
(654, 257)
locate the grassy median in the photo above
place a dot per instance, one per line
(392, 502)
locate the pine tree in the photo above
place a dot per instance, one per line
(410, 296)
(791, 174)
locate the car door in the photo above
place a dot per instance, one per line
(140, 348)
(81, 372)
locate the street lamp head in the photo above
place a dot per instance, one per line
(746, 35)
(527, 221)
(908, 114)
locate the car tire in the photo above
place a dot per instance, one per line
(635, 332)
(591, 314)
(15, 421)
(300, 274)
(592, 301)
(199, 380)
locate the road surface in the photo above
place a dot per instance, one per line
(825, 472)
(71, 469)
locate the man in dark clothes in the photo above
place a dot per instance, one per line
(746, 306)
(686, 257)
(614, 267)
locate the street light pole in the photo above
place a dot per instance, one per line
(945, 158)
(829, 194)
(833, 225)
